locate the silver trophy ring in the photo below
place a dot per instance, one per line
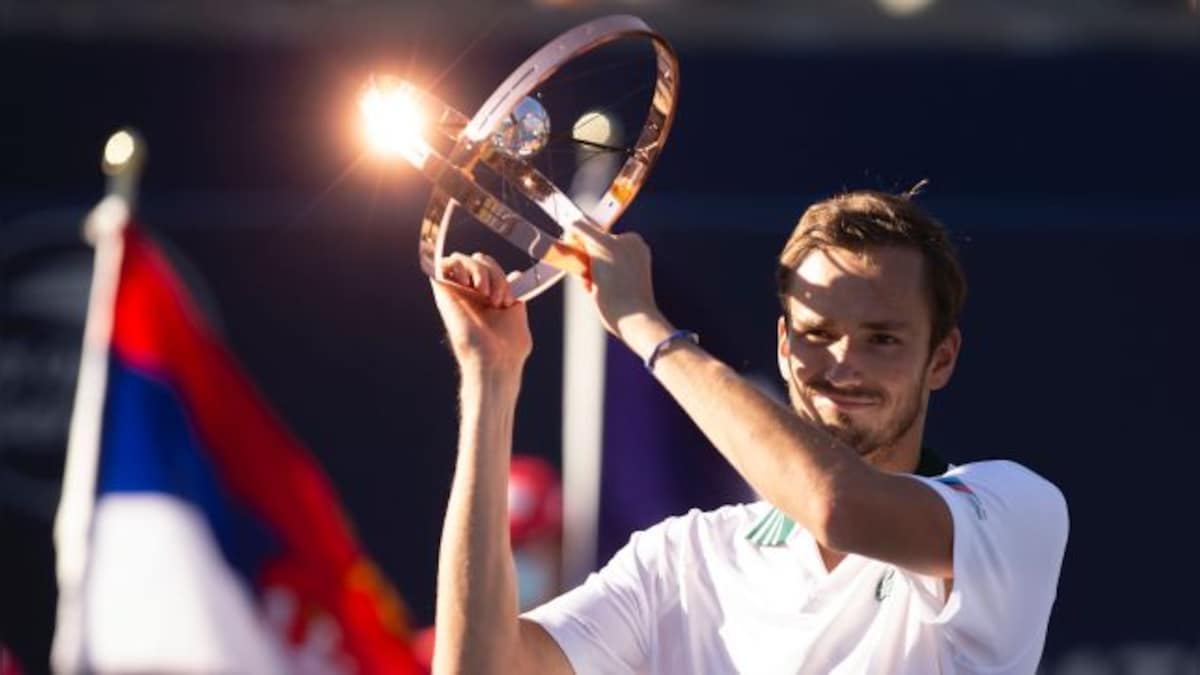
(453, 174)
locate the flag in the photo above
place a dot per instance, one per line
(195, 532)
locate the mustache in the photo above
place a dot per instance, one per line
(822, 386)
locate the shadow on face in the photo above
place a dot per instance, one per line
(854, 344)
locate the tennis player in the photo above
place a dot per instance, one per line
(867, 553)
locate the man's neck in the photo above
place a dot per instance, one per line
(896, 459)
(923, 462)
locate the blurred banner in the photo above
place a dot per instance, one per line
(195, 532)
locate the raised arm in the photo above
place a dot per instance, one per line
(846, 504)
(477, 626)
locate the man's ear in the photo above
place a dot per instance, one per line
(943, 360)
(784, 349)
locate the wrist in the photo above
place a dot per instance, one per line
(491, 375)
(642, 332)
(667, 343)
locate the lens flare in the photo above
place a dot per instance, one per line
(393, 122)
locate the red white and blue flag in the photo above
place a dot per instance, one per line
(195, 532)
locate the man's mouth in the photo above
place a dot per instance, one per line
(845, 400)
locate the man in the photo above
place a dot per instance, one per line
(852, 564)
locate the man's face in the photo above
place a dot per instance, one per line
(856, 353)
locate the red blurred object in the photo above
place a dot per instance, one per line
(534, 500)
(8, 662)
(422, 646)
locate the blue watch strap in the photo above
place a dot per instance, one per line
(665, 342)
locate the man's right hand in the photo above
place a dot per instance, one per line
(477, 626)
(487, 328)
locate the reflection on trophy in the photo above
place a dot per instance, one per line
(503, 166)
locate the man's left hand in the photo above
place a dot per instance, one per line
(621, 284)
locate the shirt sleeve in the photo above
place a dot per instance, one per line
(1010, 533)
(605, 625)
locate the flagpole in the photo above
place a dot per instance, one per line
(585, 348)
(124, 156)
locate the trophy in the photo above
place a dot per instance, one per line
(503, 143)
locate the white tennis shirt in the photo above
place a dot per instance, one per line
(694, 594)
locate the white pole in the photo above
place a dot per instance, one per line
(584, 348)
(123, 158)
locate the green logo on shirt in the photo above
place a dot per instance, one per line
(884, 587)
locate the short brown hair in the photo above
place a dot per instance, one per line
(856, 220)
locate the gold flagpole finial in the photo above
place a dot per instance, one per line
(122, 161)
(124, 156)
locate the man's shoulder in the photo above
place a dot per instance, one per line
(724, 521)
(722, 517)
(997, 473)
(1011, 486)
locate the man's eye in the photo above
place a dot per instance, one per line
(817, 335)
(884, 339)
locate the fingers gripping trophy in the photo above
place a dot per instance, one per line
(498, 167)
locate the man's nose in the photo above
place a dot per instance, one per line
(843, 369)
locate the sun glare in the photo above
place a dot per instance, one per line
(392, 121)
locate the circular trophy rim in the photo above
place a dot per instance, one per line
(473, 146)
